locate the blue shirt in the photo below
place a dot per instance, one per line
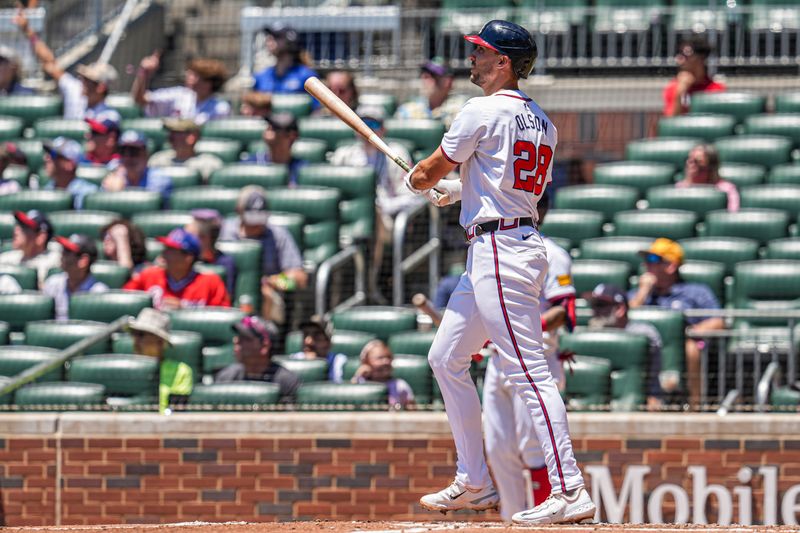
(16, 88)
(263, 158)
(446, 287)
(56, 288)
(268, 81)
(683, 296)
(79, 189)
(280, 252)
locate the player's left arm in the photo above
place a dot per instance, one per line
(427, 173)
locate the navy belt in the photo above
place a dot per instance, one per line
(494, 225)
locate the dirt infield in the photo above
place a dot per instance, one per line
(390, 527)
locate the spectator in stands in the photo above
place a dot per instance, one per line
(291, 68)
(196, 99)
(256, 104)
(124, 242)
(32, 233)
(177, 285)
(61, 157)
(435, 100)
(279, 136)
(9, 73)
(78, 254)
(376, 365)
(610, 310)
(132, 170)
(101, 141)
(10, 154)
(252, 347)
(317, 345)
(150, 332)
(183, 136)
(84, 95)
(702, 168)
(662, 286)
(692, 76)
(282, 263)
(206, 225)
(342, 84)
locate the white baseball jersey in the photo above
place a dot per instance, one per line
(505, 145)
(557, 284)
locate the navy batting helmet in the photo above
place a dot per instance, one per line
(511, 40)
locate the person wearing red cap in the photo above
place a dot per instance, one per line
(101, 141)
(31, 234)
(77, 257)
(178, 285)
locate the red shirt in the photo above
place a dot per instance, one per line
(204, 290)
(708, 85)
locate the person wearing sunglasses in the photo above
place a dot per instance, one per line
(702, 168)
(662, 286)
(692, 76)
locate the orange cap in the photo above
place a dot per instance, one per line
(668, 249)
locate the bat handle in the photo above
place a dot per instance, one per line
(405, 166)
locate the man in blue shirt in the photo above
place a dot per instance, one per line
(79, 253)
(132, 169)
(61, 159)
(290, 71)
(661, 286)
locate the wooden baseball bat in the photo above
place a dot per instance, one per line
(320, 91)
(424, 305)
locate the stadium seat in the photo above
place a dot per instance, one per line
(381, 321)
(241, 129)
(59, 396)
(670, 326)
(298, 104)
(784, 397)
(463, 16)
(311, 150)
(247, 254)
(5, 399)
(773, 17)
(328, 396)
(87, 222)
(7, 222)
(573, 225)
(625, 16)
(153, 248)
(739, 105)
(61, 334)
(124, 104)
(182, 176)
(214, 324)
(607, 199)
(711, 273)
(551, 17)
(784, 249)
(350, 342)
(640, 175)
(589, 273)
(27, 277)
(236, 396)
(238, 175)
(386, 100)
(5, 330)
(699, 199)
(308, 370)
(425, 133)
(19, 309)
(320, 241)
(19, 173)
(788, 102)
(16, 359)
(616, 249)
(47, 201)
(706, 127)
(108, 306)
(160, 223)
(50, 128)
(228, 150)
(10, 128)
(328, 129)
(124, 376)
(768, 150)
(111, 273)
(787, 174)
(783, 124)
(783, 197)
(589, 383)
(126, 203)
(152, 128)
(743, 174)
(767, 284)
(725, 250)
(33, 150)
(30, 107)
(759, 224)
(292, 222)
(414, 369)
(222, 199)
(185, 346)
(412, 342)
(671, 223)
(672, 150)
(91, 173)
(320, 207)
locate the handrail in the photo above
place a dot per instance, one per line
(324, 272)
(431, 249)
(770, 379)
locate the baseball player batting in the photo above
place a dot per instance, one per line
(504, 145)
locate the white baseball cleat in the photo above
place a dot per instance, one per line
(563, 508)
(457, 497)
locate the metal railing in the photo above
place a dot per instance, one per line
(430, 250)
(352, 254)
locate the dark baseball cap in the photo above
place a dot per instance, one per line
(254, 209)
(182, 240)
(436, 67)
(79, 244)
(606, 293)
(255, 326)
(34, 220)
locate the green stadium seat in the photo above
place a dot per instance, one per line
(16, 359)
(152, 128)
(50, 128)
(7, 223)
(247, 254)
(241, 129)
(160, 223)
(768, 150)
(350, 342)
(27, 277)
(784, 397)
(767, 284)
(124, 104)
(787, 174)
(222, 199)
(108, 306)
(463, 16)
(783, 197)
(298, 104)
(18, 173)
(185, 346)
(238, 175)
(699, 199)
(92, 173)
(5, 330)
(328, 129)
(86, 222)
(10, 128)
(640, 175)
(589, 273)
(425, 133)
(47, 201)
(711, 273)
(182, 176)
(5, 399)
(784, 249)
(30, 107)
(235, 396)
(606, 199)
(59, 396)
(125, 376)
(381, 321)
(214, 324)
(671, 223)
(387, 101)
(725, 250)
(788, 102)
(64, 333)
(759, 224)
(589, 383)
(743, 174)
(670, 326)
(111, 273)
(33, 150)
(573, 225)
(672, 150)
(412, 342)
(624, 249)
(126, 203)
(320, 241)
(153, 248)
(739, 105)
(19, 309)
(320, 207)
(210, 268)
(706, 127)
(783, 124)
(414, 369)
(308, 370)
(315, 396)
(311, 150)
(226, 149)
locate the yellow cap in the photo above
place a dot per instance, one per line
(669, 250)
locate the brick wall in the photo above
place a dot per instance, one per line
(266, 467)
